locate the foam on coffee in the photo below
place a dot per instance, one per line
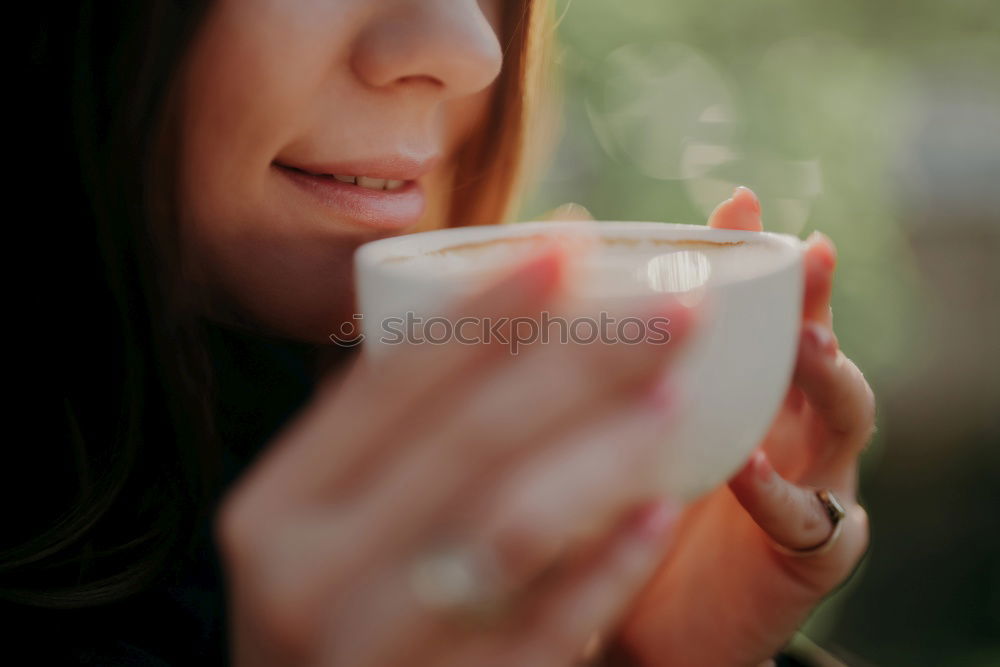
(609, 264)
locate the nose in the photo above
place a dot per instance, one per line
(447, 44)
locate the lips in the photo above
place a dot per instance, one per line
(383, 194)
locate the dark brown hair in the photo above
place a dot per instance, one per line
(113, 480)
(118, 462)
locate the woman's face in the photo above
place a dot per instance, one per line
(312, 126)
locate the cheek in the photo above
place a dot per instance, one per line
(470, 112)
(461, 119)
(467, 115)
(244, 91)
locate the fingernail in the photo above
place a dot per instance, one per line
(821, 337)
(655, 519)
(755, 202)
(823, 236)
(762, 466)
(574, 212)
(829, 258)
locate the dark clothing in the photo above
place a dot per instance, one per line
(260, 384)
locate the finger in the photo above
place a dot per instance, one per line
(838, 393)
(741, 211)
(525, 406)
(820, 261)
(595, 594)
(574, 488)
(791, 515)
(568, 212)
(537, 514)
(514, 415)
(333, 441)
(794, 517)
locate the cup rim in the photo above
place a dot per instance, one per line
(373, 256)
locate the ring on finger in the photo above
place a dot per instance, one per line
(836, 512)
(462, 580)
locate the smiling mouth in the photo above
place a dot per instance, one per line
(367, 182)
(362, 200)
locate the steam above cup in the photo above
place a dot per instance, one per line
(735, 369)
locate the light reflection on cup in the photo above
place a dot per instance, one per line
(678, 271)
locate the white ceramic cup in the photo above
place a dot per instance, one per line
(730, 379)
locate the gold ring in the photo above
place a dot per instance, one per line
(836, 512)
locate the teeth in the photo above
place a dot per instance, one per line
(370, 183)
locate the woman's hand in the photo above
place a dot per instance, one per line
(724, 595)
(334, 543)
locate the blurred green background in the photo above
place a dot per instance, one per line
(877, 122)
